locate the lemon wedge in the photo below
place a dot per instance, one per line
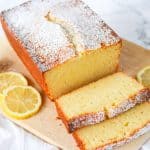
(143, 76)
(8, 79)
(21, 102)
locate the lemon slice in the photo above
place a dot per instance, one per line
(1, 98)
(8, 79)
(21, 102)
(143, 76)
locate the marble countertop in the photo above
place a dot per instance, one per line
(130, 19)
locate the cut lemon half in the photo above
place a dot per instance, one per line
(21, 102)
(8, 79)
(143, 76)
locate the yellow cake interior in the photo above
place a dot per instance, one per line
(103, 94)
(82, 70)
(115, 129)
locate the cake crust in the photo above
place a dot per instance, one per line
(93, 118)
(26, 59)
(114, 144)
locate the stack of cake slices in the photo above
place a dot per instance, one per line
(106, 113)
(66, 46)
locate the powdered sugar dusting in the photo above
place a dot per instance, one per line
(46, 41)
(93, 32)
(85, 120)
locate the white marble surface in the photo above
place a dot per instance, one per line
(129, 18)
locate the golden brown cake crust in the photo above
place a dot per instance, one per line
(93, 118)
(22, 53)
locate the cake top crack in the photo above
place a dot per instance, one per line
(46, 41)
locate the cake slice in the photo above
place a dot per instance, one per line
(64, 44)
(100, 100)
(116, 131)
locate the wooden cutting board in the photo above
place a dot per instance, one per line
(45, 123)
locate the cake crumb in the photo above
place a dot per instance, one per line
(5, 65)
(58, 118)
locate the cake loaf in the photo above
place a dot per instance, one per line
(117, 131)
(100, 100)
(64, 44)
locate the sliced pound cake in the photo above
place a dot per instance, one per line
(116, 131)
(99, 100)
(64, 44)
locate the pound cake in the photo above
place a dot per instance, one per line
(64, 44)
(100, 100)
(116, 131)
